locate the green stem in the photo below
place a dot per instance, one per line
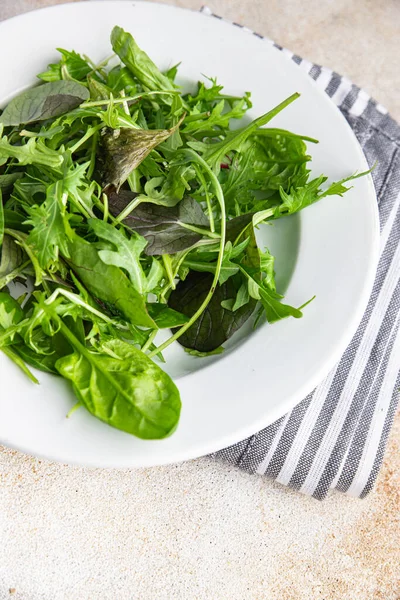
(150, 339)
(208, 201)
(77, 300)
(93, 152)
(200, 266)
(105, 102)
(197, 117)
(168, 269)
(220, 197)
(98, 68)
(262, 216)
(200, 230)
(19, 362)
(273, 132)
(90, 132)
(128, 209)
(105, 203)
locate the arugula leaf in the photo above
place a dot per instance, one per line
(71, 66)
(166, 229)
(218, 118)
(216, 324)
(126, 253)
(214, 153)
(50, 227)
(107, 283)
(267, 262)
(33, 152)
(44, 102)
(10, 311)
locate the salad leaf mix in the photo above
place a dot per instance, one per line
(128, 207)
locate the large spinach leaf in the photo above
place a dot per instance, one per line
(123, 388)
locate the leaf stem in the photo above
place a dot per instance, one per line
(150, 339)
(105, 204)
(128, 209)
(208, 201)
(90, 132)
(200, 230)
(168, 269)
(220, 197)
(19, 362)
(106, 102)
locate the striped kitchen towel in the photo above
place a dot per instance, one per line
(336, 437)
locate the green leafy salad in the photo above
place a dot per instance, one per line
(129, 207)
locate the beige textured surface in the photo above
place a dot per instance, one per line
(357, 38)
(202, 530)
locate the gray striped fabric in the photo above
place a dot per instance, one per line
(336, 437)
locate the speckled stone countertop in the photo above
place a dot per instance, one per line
(202, 530)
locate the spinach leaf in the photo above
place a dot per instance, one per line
(107, 283)
(166, 229)
(44, 102)
(216, 324)
(137, 61)
(122, 387)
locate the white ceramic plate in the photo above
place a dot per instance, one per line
(329, 250)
